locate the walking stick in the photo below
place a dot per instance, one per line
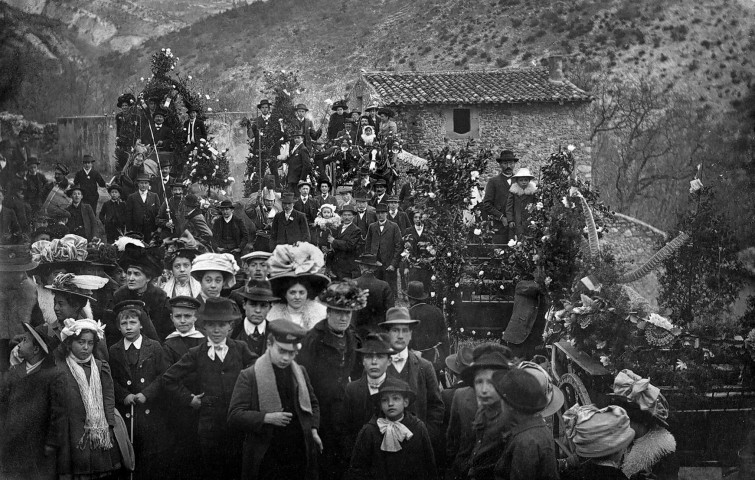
(131, 438)
(159, 167)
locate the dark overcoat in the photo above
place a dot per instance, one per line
(310, 208)
(430, 332)
(113, 217)
(414, 461)
(359, 406)
(401, 219)
(141, 215)
(346, 246)
(289, 231)
(230, 235)
(89, 183)
(244, 414)
(494, 201)
(363, 221)
(379, 300)
(460, 435)
(529, 452)
(299, 165)
(386, 245)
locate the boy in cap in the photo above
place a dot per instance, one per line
(413, 369)
(395, 215)
(89, 180)
(183, 314)
(529, 452)
(360, 399)
(274, 405)
(215, 365)
(257, 297)
(137, 364)
(394, 445)
(255, 265)
(29, 441)
(113, 214)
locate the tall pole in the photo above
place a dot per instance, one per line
(259, 150)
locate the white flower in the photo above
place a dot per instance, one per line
(448, 157)
(283, 71)
(189, 77)
(539, 205)
(571, 148)
(209, 109)
(502, 287)
(432, 294)
(512, 243)
(481, 273)
(477, 231)
(448, 254)
(329, 101)
(695, 185)
(461, 329)
(452, 302)
(432, 278)
(548, 280)
(142, 79)
(545, 238)
(431, 195)
(605, 360)
(207, 96)
(474, 174)
(286, 92)
(660, 322)
(681, 366)
(456, 285)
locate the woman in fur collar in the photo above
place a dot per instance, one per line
(653, 451)
(522, 193)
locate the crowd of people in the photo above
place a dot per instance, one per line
(149, 336)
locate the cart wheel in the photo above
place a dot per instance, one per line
(574, 391)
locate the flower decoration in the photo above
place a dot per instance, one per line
(70, 248)
(345, 296)
(299, 258)
(73, 328)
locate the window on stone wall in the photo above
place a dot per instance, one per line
(462, 120)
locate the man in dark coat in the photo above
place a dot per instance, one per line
(274, 404)
(410, 367)
(6, 163)
(216, 365)
(29, 439)
(289, 226)
(381, 196)
(408, 190)
(142, 208)
(379, 300)
(194, 129)
(89, 180)
(10, 230)
(272, 134)
(345, 243)
(258, 298)
(365, 216)
(397, 216)
(306, 204)
(305, 126)
(299, 163)
(172, 222)
(328, 352)
(359, 403)
(14, 200)
(455, 364)
(160, 136)
(384, 241)
(83, 222)
(430, 336)
(161, 184)
(496, 195)
(35, 185)
(229, 231)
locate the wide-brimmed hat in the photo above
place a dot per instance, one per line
(520, 390)
(460, 360)
(368, 259)
(175, 182)
(397, 316)
(381, 208)
(114, 186)
(264, 102)
(144, 259)
(386, 111)
(39, 338)
(523, 173)
(372, 106)
(218, 309)
(416, 290)
(507, 156)
(635, 393)
(286, 331)
(395, 385)
(127, 99)
(488, 356)
(339, 104)
(344, 295)
(78, 285)
(377, 343)
(32, 161)
(216, 262)
(380, 182)
(16, 258)
(143, 177)
(553, 394)
(68, 253)
(302, 261)
(258, 293)
(301, 106)
(598, 432)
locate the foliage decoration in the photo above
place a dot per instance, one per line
(209, 166)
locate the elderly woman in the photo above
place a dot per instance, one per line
(84, 405)
(141, 268)
(295, 277)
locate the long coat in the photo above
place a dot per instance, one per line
(141, 216)
(386, 244)
(379, 300)
(299, 164)
(10, 229)
(529, 452)
(244, 414)
(345, 246)
(494, 202)
(92, 227)
(414, 461)
(430, 332)
(199, 130)
(26, 420)
(428, 406)
(307, 127)
(460, 435)
(359, 406)
(150, 433)
(113, 217)
(289, 231)
(70, 418)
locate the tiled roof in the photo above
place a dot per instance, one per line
(508, 85)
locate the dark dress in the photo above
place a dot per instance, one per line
(414, 461)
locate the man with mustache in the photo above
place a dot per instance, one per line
(496, 195)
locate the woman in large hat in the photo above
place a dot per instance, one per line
(295, 277)
(216, 273)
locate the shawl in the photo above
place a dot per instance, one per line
(516, 189)
(96, 430)
(648, 450)
(267, 390)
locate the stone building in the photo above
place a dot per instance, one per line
(529, 110)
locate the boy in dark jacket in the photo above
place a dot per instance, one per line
(113, 214)
(137, 364)
(216, 365)
(394, 445)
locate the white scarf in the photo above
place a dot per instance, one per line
(393, 434)
(193, 333)
(96, 430)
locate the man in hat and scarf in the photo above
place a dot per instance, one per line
(142, 208)
(497, 194)
(274, 404)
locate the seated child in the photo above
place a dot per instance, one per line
(394, 445)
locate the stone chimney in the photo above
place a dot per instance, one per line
(556, 68)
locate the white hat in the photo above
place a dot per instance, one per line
(523, 173)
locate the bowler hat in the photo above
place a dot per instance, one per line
(301, 106)
(377, 343)
(416, 290)
(288, 197)
(286, 331)
(143, 177)
(86, 158)
(396, 385)
(460, 360)
(185, 301)
(488, 356)
(40, 339)
(264, 102)
(73, 188)
(381, 208)
(507, 156)
(16, 258)
(397, 316)
(160, 112)
(218, 309)
(347, 207)
(32, 161)
(225, 204)
(348, 121)
(380, 182)
(258, 293)
(369, 259)
(520, 390)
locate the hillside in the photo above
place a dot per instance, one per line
(700, 48)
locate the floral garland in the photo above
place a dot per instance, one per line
(346, 295)
(209, 166)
